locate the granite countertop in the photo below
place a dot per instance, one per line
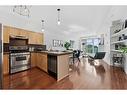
(50, 52)
(54, 52)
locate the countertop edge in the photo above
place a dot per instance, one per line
(51, 53)
(46, 52)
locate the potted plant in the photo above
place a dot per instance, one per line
(124, 51)
(67, 45)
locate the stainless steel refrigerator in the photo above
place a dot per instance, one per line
(1, 76)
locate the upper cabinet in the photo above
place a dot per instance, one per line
(14, 31)
(34, 37)
(23, 33)
(39, 38)
(6, 31)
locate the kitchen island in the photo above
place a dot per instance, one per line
(57, 63)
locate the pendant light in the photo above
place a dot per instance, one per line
(22, 10)
(58, 20)
(42, 26)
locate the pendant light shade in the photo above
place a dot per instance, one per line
(42, 26)
(58, 20)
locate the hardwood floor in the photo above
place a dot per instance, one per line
(84, 75)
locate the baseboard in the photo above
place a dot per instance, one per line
(125, 70)
(62, 77)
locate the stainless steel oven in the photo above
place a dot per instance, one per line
(19, 54)
(19, 62)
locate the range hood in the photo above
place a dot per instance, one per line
(18, 37)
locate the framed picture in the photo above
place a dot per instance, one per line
(57, 43)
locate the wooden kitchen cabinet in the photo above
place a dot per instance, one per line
(33, 37)
(18, 32)
(6, 64)
(14, 31)
(33, 59)
(42, 61)
(39, 39)
(24, 33)
(39, 60)
(6, 31)
(36, 38)
(9, 31)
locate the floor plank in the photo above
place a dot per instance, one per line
(84, 75)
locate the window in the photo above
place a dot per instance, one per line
(90, 45)
(72, 43)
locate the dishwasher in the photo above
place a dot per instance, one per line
(52, 66)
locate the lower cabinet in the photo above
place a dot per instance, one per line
(39, 60)
(45, 62)
(33, 59)
(42, 61)
(6, 64)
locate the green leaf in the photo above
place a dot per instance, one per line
(67, 45)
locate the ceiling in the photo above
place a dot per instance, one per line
(76, 20)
